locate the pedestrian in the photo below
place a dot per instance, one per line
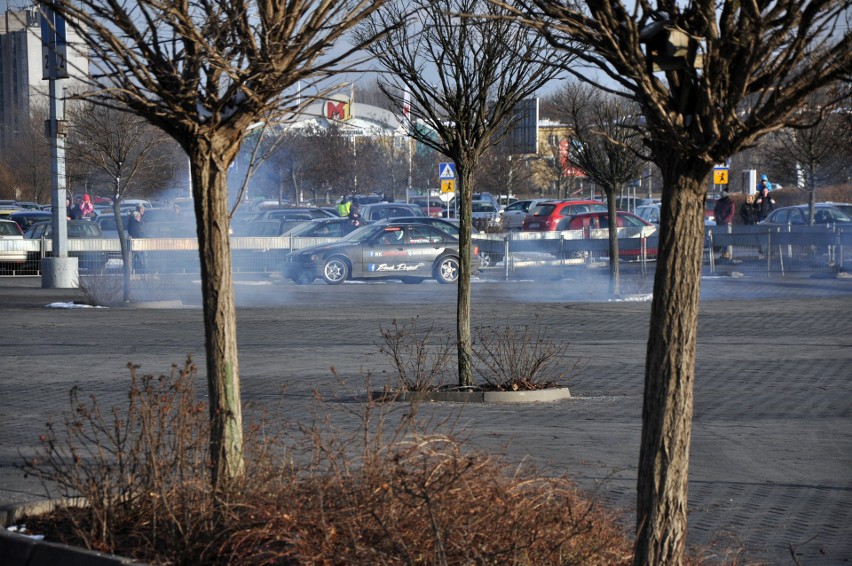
(764, 183)
(747, 211)
(724, 214)
(134, 222)
(135, 229)
(72, 211)
(724, 210)
(764, 204)
(87, 209)
(354, 215)
(344, 206)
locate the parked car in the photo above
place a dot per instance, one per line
(395, 250)
(432, 206)
(649, 213)
(323, 228)
(294, 214)
(377, 211)
(600, 220)
(631, 204)
(486, 216)
(451, 227)
(514, 213)
(10, 230)
(546, 216)
(593, 223)
(710, 211)
(488, 197)
(824, 213)
(27, 217)
(92, 260)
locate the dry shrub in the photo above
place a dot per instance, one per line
(520, 358)
(107, 288)
(142, 469)
(102, 289)
(388, 490)
(426, 501)
(422, 358)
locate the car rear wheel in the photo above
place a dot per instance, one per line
(447, 270)
(335, 271)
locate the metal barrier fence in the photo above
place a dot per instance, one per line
(746, 249)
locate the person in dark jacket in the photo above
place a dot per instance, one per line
(724, 210)
(747, 211)
(764, 204)
(72, 211)
(134, 222)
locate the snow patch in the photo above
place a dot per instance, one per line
(72, 306)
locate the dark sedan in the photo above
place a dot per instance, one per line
(406, 251)
(93, 259)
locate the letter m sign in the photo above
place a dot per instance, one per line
(337, 110)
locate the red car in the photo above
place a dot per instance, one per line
(548, 215)
(593, 225)
(432, 206)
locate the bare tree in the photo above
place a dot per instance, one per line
(465, 76)
(204, 71)
(28, 157)
(121, 146)
(607, 146)
(816, 151)
(710, 77)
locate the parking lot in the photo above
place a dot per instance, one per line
(771, 461)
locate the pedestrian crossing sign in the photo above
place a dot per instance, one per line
(448, 186)
(446, 171)
(720, 176)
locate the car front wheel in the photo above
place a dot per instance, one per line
(335, 271)
(447, 270)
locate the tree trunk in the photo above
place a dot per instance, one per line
(464, 185)
(209, 164)
(126, 260)
(614, 280)
(670, 368)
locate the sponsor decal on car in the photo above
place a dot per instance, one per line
(394, 267)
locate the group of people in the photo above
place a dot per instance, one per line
(84, 209)
(753, 210)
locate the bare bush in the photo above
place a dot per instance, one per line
(520, 358)
(107, 289)
(421, 357)
(385, 491)
(102, 289)
(142, 469)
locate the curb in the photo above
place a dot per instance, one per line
(536, 396)
(22, 550)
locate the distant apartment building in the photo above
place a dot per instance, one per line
(23, 91)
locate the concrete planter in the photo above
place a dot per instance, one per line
(536, 396)
(21, 550)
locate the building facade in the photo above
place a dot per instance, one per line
(23, 91)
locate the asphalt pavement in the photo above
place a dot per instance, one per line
(771, 457)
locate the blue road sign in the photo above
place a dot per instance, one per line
(446, 170)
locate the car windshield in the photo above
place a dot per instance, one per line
(544, 209)
(481, 206)
(9, 229)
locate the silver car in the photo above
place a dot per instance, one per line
(409, 252)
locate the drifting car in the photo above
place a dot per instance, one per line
(410, 252)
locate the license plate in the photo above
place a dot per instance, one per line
(533, 225)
